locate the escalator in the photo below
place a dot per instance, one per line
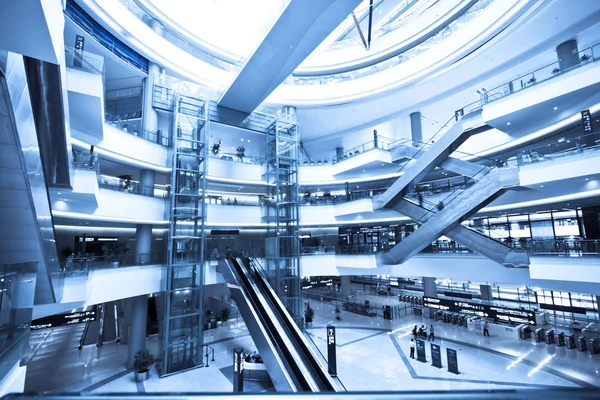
(105, 328)
(291, 364)
(484, 181)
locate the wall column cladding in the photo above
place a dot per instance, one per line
(591, 222)
(149, 114)
(138, 314)
(416, 128)
(143, 243)
(486, 292)
(429, 287)
(147, 178)
(567, 54)
(345, 283)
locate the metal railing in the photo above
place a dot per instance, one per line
(562, 148)
(85, 159)
(133, 126)
(133, 187)
(553, 70)
(84, 61)
(237, 157)
(83, 264)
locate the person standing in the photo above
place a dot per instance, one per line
(414, 332)
(412, 348)
(431, 334)
(485, 329)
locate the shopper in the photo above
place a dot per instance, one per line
(412, 348)
(228, 252)
(485, 329)
(431, 334)
(215, 253)
(414, 332)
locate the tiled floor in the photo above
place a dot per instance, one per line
(372, 354)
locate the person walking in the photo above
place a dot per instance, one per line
(485, 329)
(414, 332)
(431, 334)
(412, 348)
(420, 197)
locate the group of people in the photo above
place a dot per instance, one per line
(420, 333)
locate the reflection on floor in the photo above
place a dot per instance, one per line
(372, 354)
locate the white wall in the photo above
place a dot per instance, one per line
(234, 170)
(14, 381)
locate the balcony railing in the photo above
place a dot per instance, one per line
(562, 148)
(133, 126)
(129, 186)
(83, 264)
(237, 157)
(85, 159)
(553, 70)
(84, 61)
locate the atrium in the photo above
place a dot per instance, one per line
(371, 199)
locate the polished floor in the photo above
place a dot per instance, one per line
(372, 354)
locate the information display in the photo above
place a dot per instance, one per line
(452, 361)
(238, 370)
(421, 356)
(436, 355)
(586, 120)
(502, 314)
(331, 356)
(77, 317)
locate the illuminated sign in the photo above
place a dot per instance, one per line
(509, 315)
(77, 317)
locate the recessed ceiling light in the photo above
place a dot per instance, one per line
(556, 108)
(61, 193)
(541, 185)
(364, 170)
(508, 123)
(587, 179)
(242, 140)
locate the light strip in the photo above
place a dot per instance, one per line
(556, 199)
(91, 217)
(540, 365)
(518, 360)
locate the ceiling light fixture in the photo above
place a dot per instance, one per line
(556, 108)
(508, 123)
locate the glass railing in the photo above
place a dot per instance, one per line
(324, 200)
(133, 126)
(237, 157)
(83, 264)
(564, 147)
(85, 159)
(130, 186)
(553, 70)
(176, 38)
(84, 61)
(382, 143)
(434, 41)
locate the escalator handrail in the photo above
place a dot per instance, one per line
(322, 377)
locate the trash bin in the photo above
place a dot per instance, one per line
(581, 345)
(560, 339)
(549, 336)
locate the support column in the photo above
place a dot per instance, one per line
(339, 153)
(486, 292)
(429, 287)
(567, 54)
(137, 328)
(149, 114)
(345, 283)
(416, 128)
(147, 177)
(143, 243)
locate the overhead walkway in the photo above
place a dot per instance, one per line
(292, 365)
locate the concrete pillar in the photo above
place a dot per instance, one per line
(137, 327)
(429, 287)
(147, 177)
(149, 114)
(567, 54)
(486, 292)
(339, 153)
(126, 321)
(345, 282)
(416, 128)
(143, 243)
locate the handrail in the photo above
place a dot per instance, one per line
(84, 60)
(563, 148)
(133, 187)
(544, 73)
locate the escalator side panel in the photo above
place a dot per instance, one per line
(275, 365)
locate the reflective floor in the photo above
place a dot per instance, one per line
(372, 354)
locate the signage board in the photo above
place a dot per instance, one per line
(567, 309)
(586, 121)
(452, 361)
(78, 53)
(436, 355)
(238, 370)
(76, 317)
(462, 295)
(421, 356)
(502, 314)
(331, 356)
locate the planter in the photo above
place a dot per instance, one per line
(141, 376)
